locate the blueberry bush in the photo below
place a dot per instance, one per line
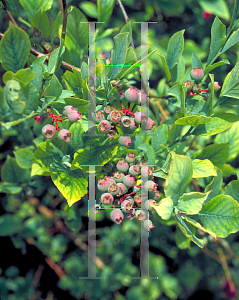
(129, 128)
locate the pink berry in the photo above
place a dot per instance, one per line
(132, 125)
(129, 181)
(140, 117)
(117, 216)
(107, 109)
(126, 121)
(114, 116)
(140, 215)
(127, 205)
(146, 171)
(118, 176)
(150, 185)
(98, 116)
(130, 157)
(138, 198)
(148, 225)
(148, 125)
(74, 116)
(103, 185)
(216, 86)
(105, 126)
(111, 134)
(64, 135)
(49, 131)
(110, 179)
(122, 188)
(68, 108)
(131, 94)
(197, 74)
(143, 98)
(147, 204)
(125, 140)
(107, 198)
(134, 170)
(113, 189)
(122, 165)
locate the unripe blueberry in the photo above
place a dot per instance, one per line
(131, 94)
(74, 116)
(118, 176)
(197, 74)
(114, 116)
(49, 131)
(116, 216)
(138, 198)
(122, 188)
(147, 204)
(30, 32)
(110, 179)
(122, 165)
(107, 109)
(98, 116)
(37, 39)
(108, 167)
(216, 86)
(140, 117)
(103, 185)
(148, 225)
(113, 189)
(125, 140)
(129, 181)
(68, 108)
(107, 198)
(134, 170)
(105, 126)
(47, 38)
(188, 84)
(196, 88)
(56, 41)
(146, 171)
(140, 215)
(132, 125)
(64, 135)
(111, 134)
(143, 98)
(150, 185)
(126, 121)
(148, 125)
(130, 157)
(127, 205)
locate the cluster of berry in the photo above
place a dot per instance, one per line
(49, 130)
(121, 192)
(197, 75)
(127, 119)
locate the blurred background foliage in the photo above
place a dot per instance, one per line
(44, 242)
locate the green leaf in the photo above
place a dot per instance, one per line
(230, 136)
(9, 188)
(33, 6)
(179, 177)
(98, 156)
(41, 22)
(29, 94)
(11, 90)
(181, 240)
(160, 137)
(216, 65)
(203, 168)
(221, 215)
(37, 170)
(89, 8)
(193, 120)
(150, 156)
(192, 203)
(178, 92)
(57, 22)
(56, 58)
(174, 133)
(23, 75)
(71, 183)
(105, 8)
(196, 62)
(46, 154)
(178, 70)
(127, 28)
(14, 49)
(215, 185)
(37, 68)
(216, 153)
(175, 49)
(232, 189)
(24, 157)
(11, 172)
(198, 225)
(164, 208)
(211, 95)
(9, 225)
(165, 67)
(219, 123)
(13, 7)
(218, 38)
(187, 232)
(216, 7)
(54, 88)
(230, 87)
(118, 54)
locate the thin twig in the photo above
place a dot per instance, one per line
(161, 110)
(123, 11)
(64, 11)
